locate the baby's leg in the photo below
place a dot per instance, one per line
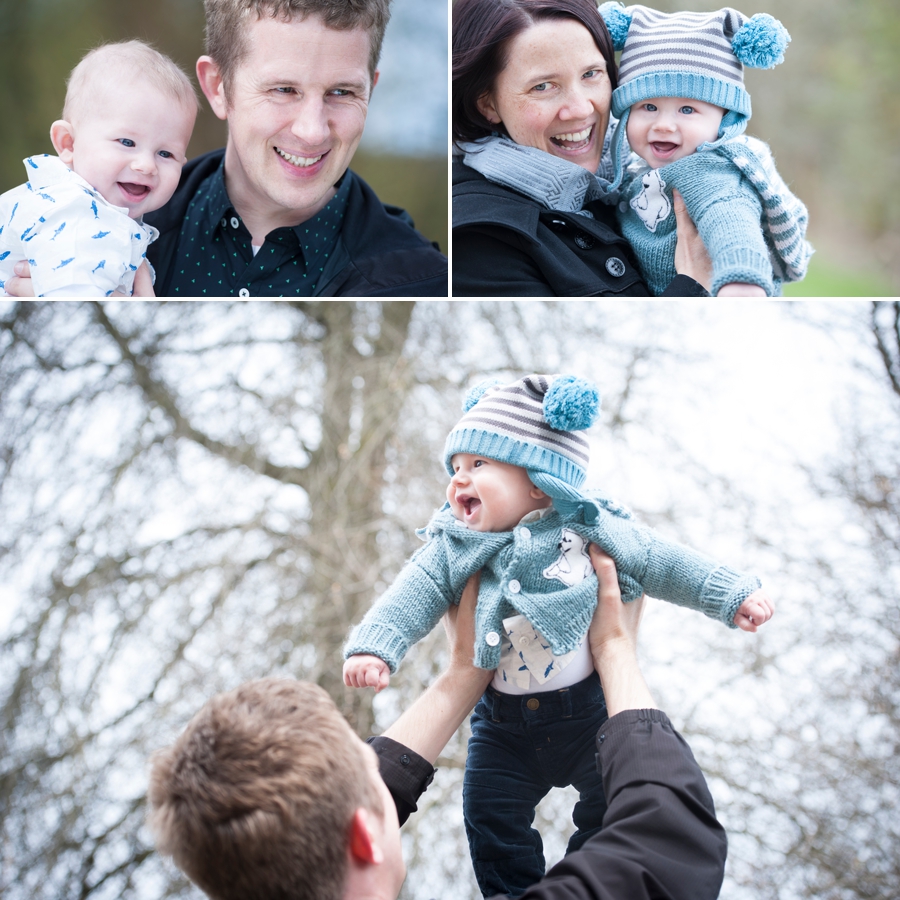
(500, 792)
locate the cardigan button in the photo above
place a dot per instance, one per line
(524, 533)
(514, 587)
(492, 639)
(615, 267)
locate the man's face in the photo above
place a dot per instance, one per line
(296, 113)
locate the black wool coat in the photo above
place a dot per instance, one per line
(507, 245)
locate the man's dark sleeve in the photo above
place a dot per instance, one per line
(405, 773)
(660, 838)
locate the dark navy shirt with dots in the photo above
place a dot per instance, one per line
(215, 257)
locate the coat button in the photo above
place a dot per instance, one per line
(492, 639)
(584, 241)
(615, 267)
(404, 760)
(623, 206)
(532, 703)
(514, 587)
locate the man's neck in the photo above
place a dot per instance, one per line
(259, 214)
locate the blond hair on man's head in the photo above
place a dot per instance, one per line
(226, 40)
(255, 799)
(129, 61)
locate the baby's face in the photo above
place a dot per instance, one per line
(668, 128)
(130, 146)
(489, 495)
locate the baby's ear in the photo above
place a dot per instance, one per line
(62, 135)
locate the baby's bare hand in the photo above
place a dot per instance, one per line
(365, 670)
(756, 610)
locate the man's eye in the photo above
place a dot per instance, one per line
(126, 142)
(540, 88)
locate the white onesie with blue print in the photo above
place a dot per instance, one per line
(76, 243)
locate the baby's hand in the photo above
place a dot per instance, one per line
(756, 610)
(364, 670)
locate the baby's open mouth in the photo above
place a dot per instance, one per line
(470, 504)
(134, 191)
(573, 140)
(663, 147)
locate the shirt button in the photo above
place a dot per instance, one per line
(524, 533)
(615, 267)
(224, 223)
(235, 221)
(492, 639)
(532, 703)
(514, 587)
(524, 641)
(243, 292)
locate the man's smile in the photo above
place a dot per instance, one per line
(299, 161)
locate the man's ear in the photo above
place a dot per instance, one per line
(486, 107)
(363, 846)
(62, 136)
(210, 79)
(374, 82)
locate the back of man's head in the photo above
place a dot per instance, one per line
(255, 798)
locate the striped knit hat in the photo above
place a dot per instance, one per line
(696, 55)
(531, 423)
(700, 56)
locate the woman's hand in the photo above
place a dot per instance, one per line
(691, 258)
(740, 289)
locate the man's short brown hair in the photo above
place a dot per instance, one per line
(226, 39)
(254, 800)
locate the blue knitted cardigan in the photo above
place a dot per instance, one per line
(753, 226)
(512, 580)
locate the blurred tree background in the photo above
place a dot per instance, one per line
(194, 494)
(403, 153)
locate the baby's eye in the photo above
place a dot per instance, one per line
(166, 154)
(478, 463)
(649, 107)
(686, 110)
(126, 142)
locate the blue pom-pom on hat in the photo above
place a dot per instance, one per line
(477, 392)
(618, 21)
(571, 404)
(760, 42)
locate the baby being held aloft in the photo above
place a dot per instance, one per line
(121, 144)
(682, 105)
(516, 513)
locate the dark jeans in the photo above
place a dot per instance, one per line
(521, 746)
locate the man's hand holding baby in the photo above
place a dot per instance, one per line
(756, 610)
(365, 670)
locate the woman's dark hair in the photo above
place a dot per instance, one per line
(482, 30)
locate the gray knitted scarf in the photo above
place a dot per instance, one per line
(553, 182)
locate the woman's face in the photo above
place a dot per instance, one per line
(554, 93)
